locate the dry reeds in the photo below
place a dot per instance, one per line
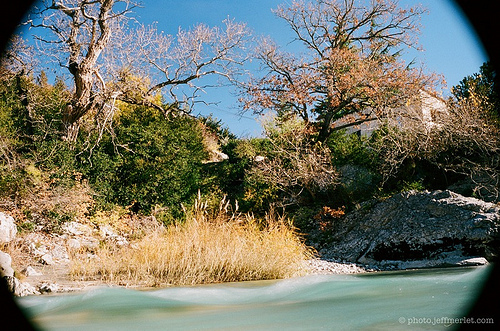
(209, 247)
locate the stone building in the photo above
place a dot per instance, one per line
(426, 109)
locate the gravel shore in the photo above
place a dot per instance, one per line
(327, 267)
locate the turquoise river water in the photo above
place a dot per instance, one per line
(410, 300)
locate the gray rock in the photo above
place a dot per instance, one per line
(8, 228)
(6, 265)
(30, 271)
(475, 261)
(47, 259)
(59, 253)
(452, 260)
(18, 288)
(110, 235)
(14, 285)
(48, 288)
(74, 244)
(419, 226)
(76, 228)
(89, 243)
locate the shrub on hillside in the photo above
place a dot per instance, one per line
(356, 162)
(295, 170)
(137, 158)
(464, 145)
(148, 161)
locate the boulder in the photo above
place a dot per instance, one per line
(48, 288)
(111, 236)
(418, 226)
(8, 228)
(46, 259)
(13, 284)
(76, 229)
(6, 265)
(19, 288)
(74, 244)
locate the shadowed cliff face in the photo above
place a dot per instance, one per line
(439, 248)
(419, 225)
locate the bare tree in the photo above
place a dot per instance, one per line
(464, 141)
(17, 59)
(109, 60)
(181, 67)
(468, 143)
(348, 68)
(79, 31)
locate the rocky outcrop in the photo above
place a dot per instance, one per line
(19, 288)
(418, 229)
(8, 231)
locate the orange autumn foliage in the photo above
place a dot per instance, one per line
(349, 67)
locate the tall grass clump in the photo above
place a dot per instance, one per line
(210, 246)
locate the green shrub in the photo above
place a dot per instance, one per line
(356, 161)
(231, 175)
(150, 160)
(351, 149)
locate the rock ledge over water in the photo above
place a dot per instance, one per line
(418, 229)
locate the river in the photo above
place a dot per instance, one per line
(432, 299)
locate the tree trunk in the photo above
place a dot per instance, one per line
(82, 102)
(325, 130)
(83, 69)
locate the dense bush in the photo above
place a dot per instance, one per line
(351, 148)
(356, 162)
(149, 161)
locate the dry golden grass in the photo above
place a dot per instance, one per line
(210, 247)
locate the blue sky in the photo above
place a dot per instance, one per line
(450, 45)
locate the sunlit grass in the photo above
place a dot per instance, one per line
(209, 247)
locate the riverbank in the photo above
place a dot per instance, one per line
(56, 278)
(43, 263)
(414, 230)
(83, 256)
(142, 253)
